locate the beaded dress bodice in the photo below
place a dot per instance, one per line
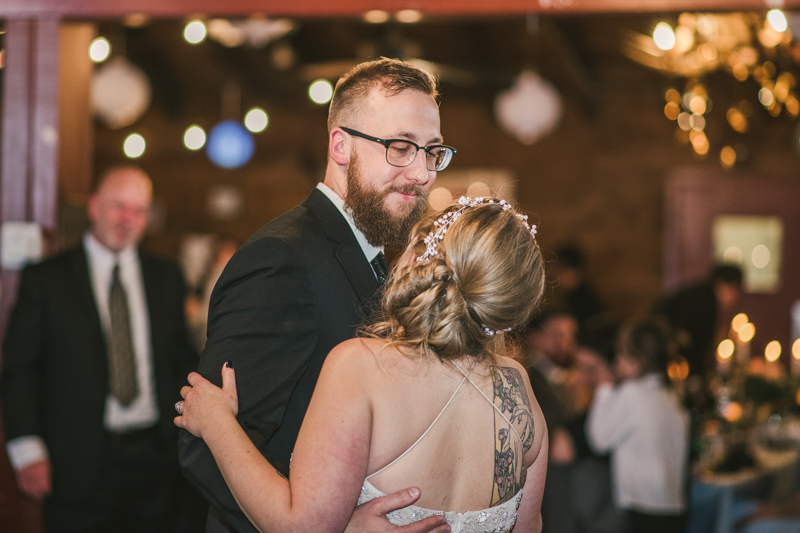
(497, 519)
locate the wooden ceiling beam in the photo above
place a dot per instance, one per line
(314, 8)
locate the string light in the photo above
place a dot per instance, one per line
(134, 145)
(99, 50)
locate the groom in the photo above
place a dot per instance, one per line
(302, 283)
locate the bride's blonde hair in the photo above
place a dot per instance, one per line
(485, 279)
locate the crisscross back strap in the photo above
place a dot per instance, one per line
(466, 377)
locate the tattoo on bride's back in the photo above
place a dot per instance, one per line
(514, 432)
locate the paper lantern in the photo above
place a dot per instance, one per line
(530, 109)
(120, 93)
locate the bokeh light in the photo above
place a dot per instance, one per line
(796, 349)
(773, 351)
(747, 332)
(727, 158)
(777, 20)
(408, 16)
(725, 349)
(134, 145)
(195, 32)
(99, 50)
(663, 36)
(439, 198)
(194, 137)
(760, 256)
(320, 91)
(256, 120)
(739, 320)
(376, 16)
(230, 145)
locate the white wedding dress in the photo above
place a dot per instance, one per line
(497, 519)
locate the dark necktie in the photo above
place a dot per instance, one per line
(121, 359)
(381, 267)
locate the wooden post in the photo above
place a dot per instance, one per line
(28, 186)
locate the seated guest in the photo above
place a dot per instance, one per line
(641, 422)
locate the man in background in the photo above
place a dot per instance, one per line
(305, 281)
(94, 357)
(701, 314)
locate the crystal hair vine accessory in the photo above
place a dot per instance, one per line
(492, 332)
(444, 222)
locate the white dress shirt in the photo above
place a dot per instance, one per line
(647, 430)
(143, 411)
(370, 251)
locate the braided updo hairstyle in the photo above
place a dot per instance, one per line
(487, 275)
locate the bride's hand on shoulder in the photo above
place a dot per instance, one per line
(204, 404)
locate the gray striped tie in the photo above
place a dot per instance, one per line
(121, 359)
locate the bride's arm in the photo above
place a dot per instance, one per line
(330, 458)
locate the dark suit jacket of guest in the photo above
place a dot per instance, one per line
(55, 373)
(297, 288)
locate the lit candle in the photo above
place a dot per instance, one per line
(724, 355)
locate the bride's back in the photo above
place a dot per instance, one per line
(471, 457)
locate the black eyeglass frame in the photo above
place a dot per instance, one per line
(387, 142)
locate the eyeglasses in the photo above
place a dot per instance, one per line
(401, 153)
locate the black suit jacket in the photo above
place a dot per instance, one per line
(55, 372)
(292, 292)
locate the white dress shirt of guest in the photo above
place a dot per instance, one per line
(644, 426)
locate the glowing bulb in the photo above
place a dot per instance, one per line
(408, 16)
(747, 332)
(134, 145)
(739, 321)
(195, 32)
(194, 138)
(99, 50)
(320, 92)
(796, 349)
(777, 20)
(376, 16)
(256, 120)
(663, 36)
(773, 351)
(725, 349)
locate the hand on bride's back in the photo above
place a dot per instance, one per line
(204, 404)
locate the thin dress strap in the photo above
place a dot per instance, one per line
(466, 377)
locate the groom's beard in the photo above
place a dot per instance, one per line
(368, 208)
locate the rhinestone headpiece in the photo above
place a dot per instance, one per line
(444, 222)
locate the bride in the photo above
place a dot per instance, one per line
(424, 397)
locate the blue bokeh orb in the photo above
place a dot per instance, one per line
(230, 145)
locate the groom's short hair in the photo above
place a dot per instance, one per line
(393, 75)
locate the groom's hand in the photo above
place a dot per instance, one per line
(371, 516)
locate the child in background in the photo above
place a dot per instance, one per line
(641, 422)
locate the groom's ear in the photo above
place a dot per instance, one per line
(338, 147)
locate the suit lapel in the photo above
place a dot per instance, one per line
(348, 252)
